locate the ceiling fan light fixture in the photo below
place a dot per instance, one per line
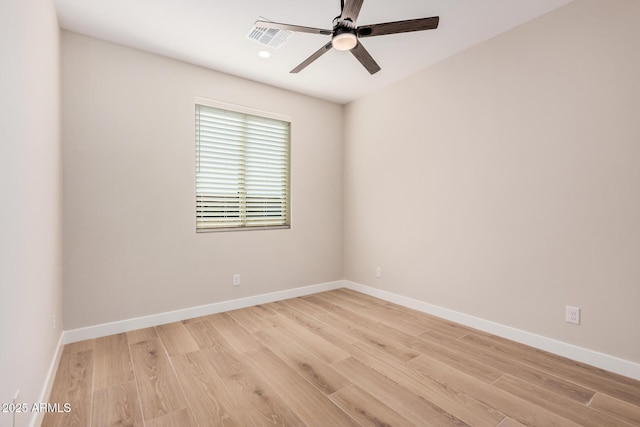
(346, 35)
(344, 41)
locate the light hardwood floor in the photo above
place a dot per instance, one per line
(338, 358)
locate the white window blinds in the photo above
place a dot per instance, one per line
(242, 170)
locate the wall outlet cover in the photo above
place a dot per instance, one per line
(573, 315)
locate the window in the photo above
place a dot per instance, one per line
(242, 168)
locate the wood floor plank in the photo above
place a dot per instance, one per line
(250, 321)
(411, 406)
(355, 298)
(461, 405)
(515, 407)
(176, 339)
(307, 402)
(263, 310)
(459, 360)
(222, 356)
(371, 301)
(464, 362)
(617, 408)
(375, 315)
(440, 326)
(426, 320)
(314, 370)
(324, 304)
(181, 418)
(303, 305)
(73, 385)
(615, 385)
(117, 405)
(144, 334)
(366, 409)
(235, 334)
(261, 403)
(443, 336)
(508, 422)
(319, 346)
(370, 334)
(247, 399)
(368, 327)
(204, 334)
(581, 414)
(297, 313)
(80, 346)
(475, 347)
(205, 391)
(112, 361)
(158, 387)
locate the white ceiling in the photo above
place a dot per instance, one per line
(211, 33)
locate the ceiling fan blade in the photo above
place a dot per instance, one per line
(296, 28)
(365, 58)
(324, 49)
(351, 9)
(407, 26)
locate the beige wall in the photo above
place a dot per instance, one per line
(504, 182)
(130, 244)
(30, 199)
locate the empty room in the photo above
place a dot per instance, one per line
(327, 213)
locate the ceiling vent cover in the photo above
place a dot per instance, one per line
(268, 36)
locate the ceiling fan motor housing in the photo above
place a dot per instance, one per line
(344, 38)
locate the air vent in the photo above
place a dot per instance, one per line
(268, 36)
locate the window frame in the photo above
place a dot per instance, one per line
(251, 112)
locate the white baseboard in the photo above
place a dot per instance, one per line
(590, 357)
(36, 418)
(106, 329)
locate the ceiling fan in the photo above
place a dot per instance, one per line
(346, 36)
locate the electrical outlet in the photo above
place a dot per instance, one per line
(378, 272)
(236, 280)
(573, 315)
